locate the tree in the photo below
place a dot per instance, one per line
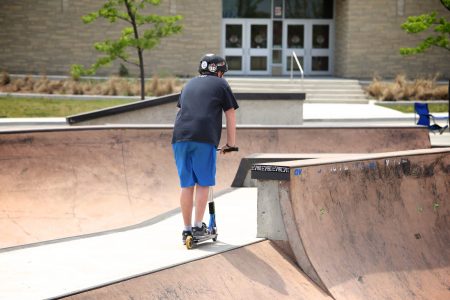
(132, 38)
(440, 26)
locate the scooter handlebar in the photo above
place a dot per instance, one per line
(228, 149)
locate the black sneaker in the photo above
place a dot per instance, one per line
(200, 231)
(185, 234)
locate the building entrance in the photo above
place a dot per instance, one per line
(247, 46)
(259, 39)
(312, 42)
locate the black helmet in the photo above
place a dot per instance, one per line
(211, 64)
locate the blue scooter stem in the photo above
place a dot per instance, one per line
(212, 216)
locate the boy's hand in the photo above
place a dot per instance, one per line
(227, 148)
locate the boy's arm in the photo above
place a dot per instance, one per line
(230, 116)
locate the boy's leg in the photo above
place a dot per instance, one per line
(204, 166)
(183, 162)
(201, 198)
(186, 203)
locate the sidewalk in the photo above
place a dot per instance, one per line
(366, 115)
(351, 112)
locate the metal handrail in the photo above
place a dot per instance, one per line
(298, 64)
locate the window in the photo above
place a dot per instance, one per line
(233, 36)
(307, 9)
(320, 63)
(321, 36)
(294, 63)
(234, 63)
(246, 8)
(258, 36)
(258, 63)
(277, 30)
(295, 37)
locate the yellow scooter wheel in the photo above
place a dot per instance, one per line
(189, 242)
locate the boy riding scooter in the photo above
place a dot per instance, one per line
(196, 135)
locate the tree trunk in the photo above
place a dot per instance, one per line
(139, 49)
(141, 71)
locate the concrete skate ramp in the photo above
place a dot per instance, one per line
(273, 108)
(65, 182)
(258, 271)
(372, 227)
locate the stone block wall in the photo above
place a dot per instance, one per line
(369, 38)
(48, 36)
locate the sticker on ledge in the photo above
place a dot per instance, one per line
(298, 172)
(263, 168)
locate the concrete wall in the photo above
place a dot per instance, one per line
(48, 36)
(250, 112)
(369, 36)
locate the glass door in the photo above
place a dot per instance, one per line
(233, 45)
(295, 35)
(259, 47)
(321, 47)
(247, 45)
(311, 40)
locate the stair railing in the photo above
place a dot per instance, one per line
(298, 64)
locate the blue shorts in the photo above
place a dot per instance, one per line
(196, 163)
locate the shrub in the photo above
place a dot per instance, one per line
(114, 86)
(4, 78)
(402, 89)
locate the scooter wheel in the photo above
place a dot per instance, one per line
(189, 242)
(214, 239)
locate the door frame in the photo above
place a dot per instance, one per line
(308, 52)
(246, 52)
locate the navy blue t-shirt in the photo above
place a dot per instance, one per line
(201, 103)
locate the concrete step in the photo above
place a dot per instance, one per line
(305, 80)
(303, 87)
(306, 84)
(318, 90)
(333, 92)
(338, 96)
(337, 101)
(298, 87)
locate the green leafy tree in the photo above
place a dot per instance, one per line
(440, 26)
(142, 33)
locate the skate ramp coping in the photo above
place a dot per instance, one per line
(272, 108)
(243, 174)
(370, 226)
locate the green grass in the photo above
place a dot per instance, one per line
(433, 107)
(12, 107)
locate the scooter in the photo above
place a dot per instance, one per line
(192, 241)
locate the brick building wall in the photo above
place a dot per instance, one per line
(48, 36)
(369, 36)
